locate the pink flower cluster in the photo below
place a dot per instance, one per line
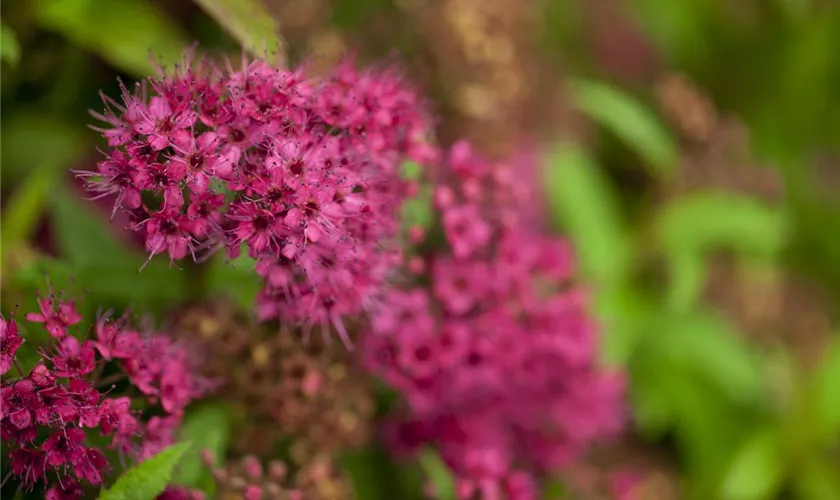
(496, 358)
(304, 172)
(46, 414)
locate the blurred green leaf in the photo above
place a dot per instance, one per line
(623, 314)
(817, 479)
(247, 21)
(583, 200)
(365, 468)
(206, 427)
(709, 220)
(149, 478)
(438, 473)
(827, 394)
(707, 346)
(630, 120)
(237, 280)
(126, 33)
(83, 236)
(103, 263)
(691, 226)
(9, 47)
(35, 138)
(23, 211)
(757, 470)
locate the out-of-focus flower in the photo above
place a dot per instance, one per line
(312, 166)
(304, 390)
(496, 359)
(46, 414)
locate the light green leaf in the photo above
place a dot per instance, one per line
(723, 220)
(438, 473)
(149, 478)
(690, 227)
(126, 33)
(9, 47)
(757, 470)
(827, 394)
(207, 428)
(23, 211)
(628, 119)
(248, 22)
(583, 201)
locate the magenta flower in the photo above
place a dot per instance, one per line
(10, 340)
(302, 171)
(73, 359)
(56, 315)
(47, 414)
(496, 358)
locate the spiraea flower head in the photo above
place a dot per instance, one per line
(496, 357)
(300, 173)
(48, 414)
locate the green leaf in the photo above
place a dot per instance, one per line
(35, 138)
(827, 394)
(628, 119)
(439, 474)
(583, 201)
(84, 236)
(757, 470)
(126, 33)
(364, 467)
(9, 46)
(149, 478)
(710, 220)
(691, 226)
(24, 209)
(237, 280)
(248, 22)
(817, 480)
(206, 427)
(109, 267)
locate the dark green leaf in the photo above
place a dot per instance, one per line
(126, 33)
(757, 470)
(628, 119)
(206, 427)
(248, 22)
(34, 139)
(583, 201)
(149, 478)
(364, 467)
(84, 237)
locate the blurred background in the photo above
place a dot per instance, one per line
(697, 170)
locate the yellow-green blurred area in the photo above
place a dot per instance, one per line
(694, 162)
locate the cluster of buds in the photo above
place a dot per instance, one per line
(497, 357)
(307, 389)
(76, 387)
(302, 172)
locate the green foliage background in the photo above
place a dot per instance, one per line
(740, 421)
